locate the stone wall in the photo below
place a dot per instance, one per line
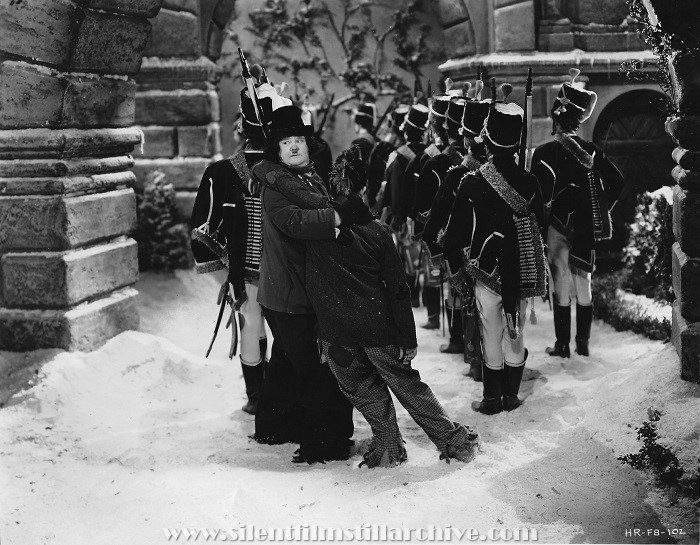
(67, 102)
(177, 95)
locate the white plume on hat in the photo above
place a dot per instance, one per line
(268, 91)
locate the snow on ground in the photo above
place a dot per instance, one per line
(112, 446)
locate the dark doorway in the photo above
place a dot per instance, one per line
(631, 132)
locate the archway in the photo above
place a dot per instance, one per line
(631, 132)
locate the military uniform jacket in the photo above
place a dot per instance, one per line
(219, 213)
(395, 177)
(581, 186)
(430, 179)
(493, 235)
(415, 167)
(443, 201)
(376, 168)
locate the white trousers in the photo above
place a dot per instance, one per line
(565, 283)
(252, 325)
(497, 344)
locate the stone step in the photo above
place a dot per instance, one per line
(67, 143)
(46, 223)
(84, 327)
(64, 279)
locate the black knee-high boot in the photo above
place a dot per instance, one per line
(253, 378)
(584, 319)
(512, 377)
(431, 300)
(562, 329)
(492, 402)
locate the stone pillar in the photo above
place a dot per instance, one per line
(177, 98)
(66, 200)
(682, 20)
(514, 25)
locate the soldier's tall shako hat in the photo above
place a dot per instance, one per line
(287, 121)
(367, 112)
(475, 112)
(397, 117)
(503, 125)
(438, 109)
(455, 112)
(268, 101)
(417, 118)
(574, 101)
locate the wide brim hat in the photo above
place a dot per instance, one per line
(287, 121)
(503, 125)
(455, 112)
(417, 118)
(475, 112)
(366, 111)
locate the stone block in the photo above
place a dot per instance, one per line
(223, 12)
(44, 31)
(560, 41)
(538, 97)
(215, 40)
(190, 107)
(85, 327)
(65, 185)
(183, 173)
(30, 96)
(184, 201)
(451, 12)
(199, 141)
(685, 337)
(137, 8)
(62, 222)
(175, 34)
(686, 220)
(541, 131)
(46, 143)
(460, 39)
(515, 27)
(689, 160)
(687, 179)
(685, 131)
(159, 142)
(612, 12)
(110, 44)
(191, 6)
(178, 73)
(686, 283)
(103, 102)
(608, 41)
(63, 279)
(32, 168)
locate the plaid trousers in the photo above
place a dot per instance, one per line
(365, 376)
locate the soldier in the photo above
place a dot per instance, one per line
(429, 181)
(475, 112)
(381, 152)
(227, 234)
(365, 116)
(493, 239)
(580, 186)
(413, 127)
(319, 150)
(431, 275)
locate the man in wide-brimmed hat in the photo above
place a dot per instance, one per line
(580, 187)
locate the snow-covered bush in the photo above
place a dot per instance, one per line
(623, 315)
(163, 242)
(648, 254)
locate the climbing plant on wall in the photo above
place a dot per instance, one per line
(363, 67)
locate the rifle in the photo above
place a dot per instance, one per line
(391, 107)
(250, 85)
(526, 136)
(319, 131)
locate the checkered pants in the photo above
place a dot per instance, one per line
(366, 375)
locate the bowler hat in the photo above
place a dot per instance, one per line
(287, 121)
